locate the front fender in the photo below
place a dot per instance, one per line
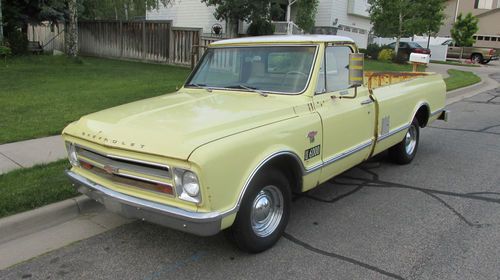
(228, 165)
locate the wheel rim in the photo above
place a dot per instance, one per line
(267, 211)
(476, 59)
(411, 140)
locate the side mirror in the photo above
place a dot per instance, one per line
(356, 73)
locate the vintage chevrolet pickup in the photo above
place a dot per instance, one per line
(258, 119)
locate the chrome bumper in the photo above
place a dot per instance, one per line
(199, 223)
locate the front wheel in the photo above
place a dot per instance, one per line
(263, 214)
(405, 151)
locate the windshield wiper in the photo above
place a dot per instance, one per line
(249, 88)
(202, 86)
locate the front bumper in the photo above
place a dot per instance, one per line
(198, 223)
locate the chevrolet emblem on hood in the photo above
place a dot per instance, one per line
(105, 140)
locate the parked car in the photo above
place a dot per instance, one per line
(476, 54)
(258, 119)
(406, 48)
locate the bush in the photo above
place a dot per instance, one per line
(260, 27)
(18, 43)
(372, 51)
(5, 51)
(363, 51)
(386, 54)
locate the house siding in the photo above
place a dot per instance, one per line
(187, 13)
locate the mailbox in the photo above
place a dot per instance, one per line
(419, 58)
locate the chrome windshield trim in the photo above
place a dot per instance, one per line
(147, 204)
(392, 132)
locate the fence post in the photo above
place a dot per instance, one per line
(121, 38)
(171, 40)
(144, 40)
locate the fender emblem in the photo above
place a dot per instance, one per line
(311, 135)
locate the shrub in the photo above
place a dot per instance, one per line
(363, 51)
(260, 27)
(18, 42)
(386, 54)
(5, 51)
(372, 51)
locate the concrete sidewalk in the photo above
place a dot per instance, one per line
(31, 152)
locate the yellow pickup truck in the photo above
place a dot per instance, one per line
(258, 119)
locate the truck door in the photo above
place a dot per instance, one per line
(348, 121)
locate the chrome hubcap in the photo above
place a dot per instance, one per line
(411, 140)
(267, 210)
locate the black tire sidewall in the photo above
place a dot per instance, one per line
(241, 231)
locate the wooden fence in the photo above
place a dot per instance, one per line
(152, 41)
(50, 36)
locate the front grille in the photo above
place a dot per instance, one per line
(126, 171)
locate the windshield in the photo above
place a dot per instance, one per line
(414, 45)
(278, 69)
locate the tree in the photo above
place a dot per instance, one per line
(72, 29)
(306, 14)
(398, 18)
(119, 9)
(232, 11)
(462, 31)
(1, 24)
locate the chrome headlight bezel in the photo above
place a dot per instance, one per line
(187, 185)
(72, 156)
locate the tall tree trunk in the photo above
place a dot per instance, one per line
(1, 24)
(73, 29)
(400, 30)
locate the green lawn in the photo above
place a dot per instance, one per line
(455, 63)
(378, 65)
(458, 79)
(40, 95)
(26, 189)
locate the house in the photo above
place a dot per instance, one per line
(341, 17)
(488, 14)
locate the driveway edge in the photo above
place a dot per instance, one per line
(25, 223)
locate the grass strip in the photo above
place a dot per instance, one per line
(459, 79)
(29, 188)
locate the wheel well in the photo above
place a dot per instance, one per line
(422, 115)
(472, 54)
(290, 167)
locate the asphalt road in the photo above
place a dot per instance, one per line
(437, 218)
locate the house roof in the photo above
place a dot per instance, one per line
(284, 39)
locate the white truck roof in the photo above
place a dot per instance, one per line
(284, 39)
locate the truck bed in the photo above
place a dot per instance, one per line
(374, 79)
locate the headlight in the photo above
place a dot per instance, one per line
(73, 158)
(187, 185)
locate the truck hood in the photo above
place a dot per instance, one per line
(175, 124)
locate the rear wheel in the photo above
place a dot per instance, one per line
(263, 214)
(405, 151)
(476, 58)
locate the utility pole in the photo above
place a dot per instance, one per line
(1, 24)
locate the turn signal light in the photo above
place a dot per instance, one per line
(165, 188)
(86, 165)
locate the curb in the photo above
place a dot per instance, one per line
(25, 223)
(487, 83)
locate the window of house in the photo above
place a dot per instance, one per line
(494, 39)
(480, 38)
(483, 4)
(486, 38)
(337, 70)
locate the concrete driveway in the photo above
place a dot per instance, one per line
(437, 218)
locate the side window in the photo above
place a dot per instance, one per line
(337, 68)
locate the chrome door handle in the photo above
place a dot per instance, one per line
(366, 102)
